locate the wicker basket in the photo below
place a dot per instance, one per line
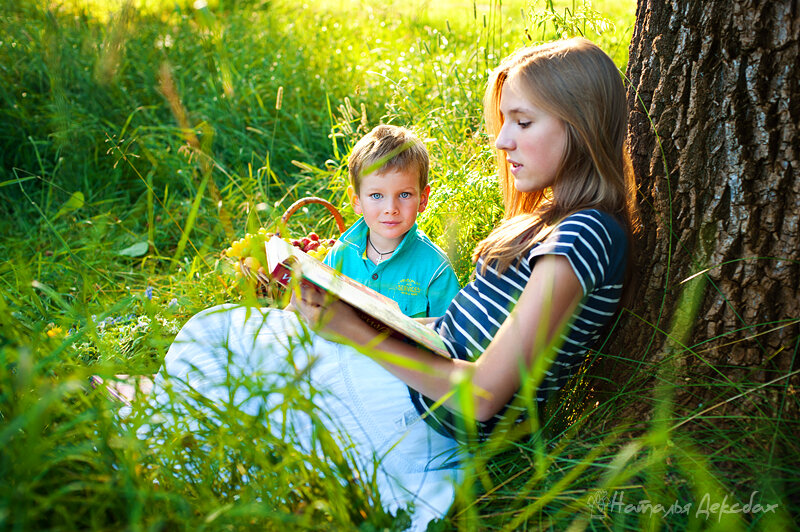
(306, 201)
(266, 287)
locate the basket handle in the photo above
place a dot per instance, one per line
(313, 199)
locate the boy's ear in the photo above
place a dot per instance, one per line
(354, 201)
(423, 198)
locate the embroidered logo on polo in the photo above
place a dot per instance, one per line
(409, 287)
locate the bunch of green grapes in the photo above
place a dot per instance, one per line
(249, 251)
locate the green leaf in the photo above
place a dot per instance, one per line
(136, 250)
(74, 202)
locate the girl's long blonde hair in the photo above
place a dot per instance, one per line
(575, 81)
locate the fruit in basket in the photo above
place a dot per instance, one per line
(250, 249)
(248, 254)
(252, 263)
(313, 245)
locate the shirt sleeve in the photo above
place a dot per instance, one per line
(592, 242)
(441, 290)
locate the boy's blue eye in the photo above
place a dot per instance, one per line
(376, 195)
(405, 195)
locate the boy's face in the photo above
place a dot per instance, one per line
(389, 202)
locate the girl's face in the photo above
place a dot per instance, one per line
(533, 140)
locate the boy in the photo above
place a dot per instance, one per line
(384, 249)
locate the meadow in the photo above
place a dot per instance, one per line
(138, 141)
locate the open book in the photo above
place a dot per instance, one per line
(285, 261)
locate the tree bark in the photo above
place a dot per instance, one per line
(715, 101)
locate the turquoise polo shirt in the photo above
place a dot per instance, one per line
(418, 275)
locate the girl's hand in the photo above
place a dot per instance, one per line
(310, 304)
(324, 314)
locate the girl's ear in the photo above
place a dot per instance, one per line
(354, 201)
(423, 198)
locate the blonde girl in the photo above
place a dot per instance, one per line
(547, 280)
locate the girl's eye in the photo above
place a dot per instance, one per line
(405, 195)
(376, 195)
(523, 125)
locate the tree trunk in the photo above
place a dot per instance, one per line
(715, 102)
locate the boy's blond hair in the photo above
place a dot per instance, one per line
(388, 148)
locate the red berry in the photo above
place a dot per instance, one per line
(312, 246)
(313, 236)
(331, 242)
(296, 243)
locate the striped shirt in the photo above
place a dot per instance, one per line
(595, 245)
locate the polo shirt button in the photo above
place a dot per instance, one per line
(374, 276)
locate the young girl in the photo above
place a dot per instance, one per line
(546, 282)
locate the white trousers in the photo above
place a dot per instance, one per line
(366, 408)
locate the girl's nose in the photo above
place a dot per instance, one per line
(504, 141)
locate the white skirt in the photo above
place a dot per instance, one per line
(367, 408)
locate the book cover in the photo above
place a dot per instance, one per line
(284, 261)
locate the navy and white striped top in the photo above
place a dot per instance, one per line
(595, 245)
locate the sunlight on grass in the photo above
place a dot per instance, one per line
(104, 9)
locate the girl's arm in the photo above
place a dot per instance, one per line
(545, 305)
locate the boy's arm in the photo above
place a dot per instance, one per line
(441, 290)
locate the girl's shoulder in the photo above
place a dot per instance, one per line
(592, 227)
(594, 219)
(594, 242)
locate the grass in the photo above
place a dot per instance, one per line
(137, 143)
